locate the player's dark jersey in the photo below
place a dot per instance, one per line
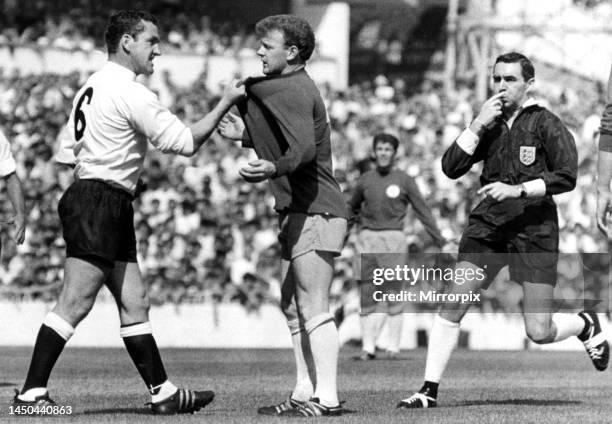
(536, 146)
(286, 123)
(381, 202)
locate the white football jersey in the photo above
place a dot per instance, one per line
(113, 118)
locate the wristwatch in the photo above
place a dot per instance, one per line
(522, 190)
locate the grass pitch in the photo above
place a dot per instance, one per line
(103, 386)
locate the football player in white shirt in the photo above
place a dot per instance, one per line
(113, 118)
(13, 189)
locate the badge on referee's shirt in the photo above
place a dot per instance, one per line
(527, 155)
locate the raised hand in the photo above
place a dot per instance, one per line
(491, 109)
(231, 126)
(234, 91)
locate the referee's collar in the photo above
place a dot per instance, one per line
(120, 70)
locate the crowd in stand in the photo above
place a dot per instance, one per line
(208, 27)
(205, 235)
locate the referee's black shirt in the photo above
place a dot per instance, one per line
(537, 146)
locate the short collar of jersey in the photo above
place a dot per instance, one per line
(120, 70)
(531, 102)
(253, 80)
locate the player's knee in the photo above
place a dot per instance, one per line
(452, 315)
(539, 334)
(310, 310)
(289, 311)
(312, 305)
(75, 309)
(135, 308)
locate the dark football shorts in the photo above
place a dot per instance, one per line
(98, 222)
(528, 244)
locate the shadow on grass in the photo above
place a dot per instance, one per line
(529, 402)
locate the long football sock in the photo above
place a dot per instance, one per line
(304, 363)
(371, 325)
(395, 324)
(52, 337)
(324, 343)
(141, 346)
(567, 325)
(442, 341)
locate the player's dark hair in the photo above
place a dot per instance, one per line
(296, 31)
(527, 70)
(125, 22)
(385, 138)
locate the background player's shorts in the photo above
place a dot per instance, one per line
(301, 233)
(98, 222)
(379, 242)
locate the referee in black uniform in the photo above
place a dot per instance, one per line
(528, 156)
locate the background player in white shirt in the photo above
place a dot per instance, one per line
(112, 120)
(13, 189)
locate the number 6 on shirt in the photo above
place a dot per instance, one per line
(79, 116)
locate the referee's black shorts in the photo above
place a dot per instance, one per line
(98, 222)
(528, 244)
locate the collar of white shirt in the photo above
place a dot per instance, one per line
(526, 104)
(120, 71)
(531, 102)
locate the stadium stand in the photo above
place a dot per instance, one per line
(204, 236)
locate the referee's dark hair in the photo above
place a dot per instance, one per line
(385, 138)
(125, 22)
(296, 31)
(527, 70)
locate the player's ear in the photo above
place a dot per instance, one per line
(530, 83)
(125, 42)
(292, 53)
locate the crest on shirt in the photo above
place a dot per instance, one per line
(392, 191)
(527, 155)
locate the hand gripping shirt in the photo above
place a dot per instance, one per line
(286, 123)
(113, 119)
